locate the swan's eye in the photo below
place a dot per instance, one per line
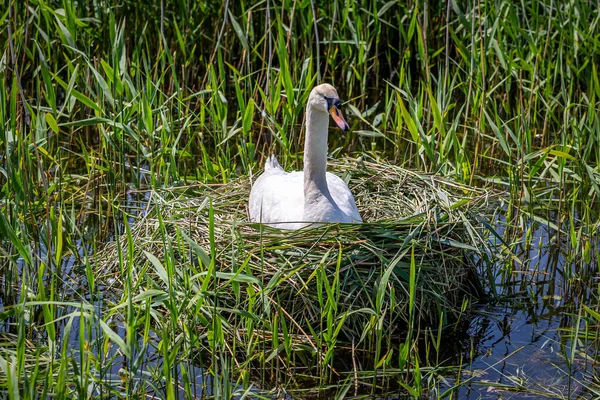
(331, 102)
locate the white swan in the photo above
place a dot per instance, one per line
(297, 199)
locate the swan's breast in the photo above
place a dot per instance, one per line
(342, 196)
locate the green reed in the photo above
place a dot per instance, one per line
(100, 98)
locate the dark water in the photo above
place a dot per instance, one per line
(524, 339)
(521, 354)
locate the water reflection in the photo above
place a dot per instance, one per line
(523, 341)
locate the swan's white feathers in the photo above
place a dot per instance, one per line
(272, 164)
(278, 196)
(293, 200)
(277, 199)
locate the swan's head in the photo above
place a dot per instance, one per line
(325, 98)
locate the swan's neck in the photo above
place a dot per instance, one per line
(315, 153)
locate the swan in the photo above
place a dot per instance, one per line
(296, 199)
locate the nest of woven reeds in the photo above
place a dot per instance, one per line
(413, 259)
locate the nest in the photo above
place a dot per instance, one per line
(413, 260)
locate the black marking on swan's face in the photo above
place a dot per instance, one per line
(332, 102)
(334, 108)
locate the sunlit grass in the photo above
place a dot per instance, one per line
(105, 106)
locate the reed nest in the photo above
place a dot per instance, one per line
(364, 271)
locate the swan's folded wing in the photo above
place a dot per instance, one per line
(277, 197)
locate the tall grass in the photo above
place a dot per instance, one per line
(104, 104)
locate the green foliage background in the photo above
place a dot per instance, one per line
(98, 98)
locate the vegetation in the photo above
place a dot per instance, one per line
(115, 116)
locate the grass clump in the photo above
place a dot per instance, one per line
(410, 265)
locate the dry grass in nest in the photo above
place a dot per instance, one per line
(365, 269)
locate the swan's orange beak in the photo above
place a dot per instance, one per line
(337, 116)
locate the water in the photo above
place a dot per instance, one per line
(518, 353)
(525, 342)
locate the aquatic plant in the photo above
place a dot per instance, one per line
(107, 109)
